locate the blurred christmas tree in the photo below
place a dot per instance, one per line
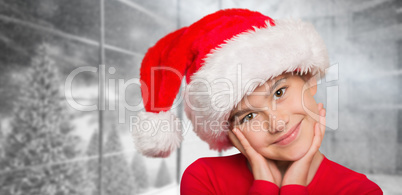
(40, 146)
(1, 139)
(1, 152)
(116, 179)
(163, 178)
(93, 162)
(139, 172)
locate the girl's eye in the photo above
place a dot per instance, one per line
(248, 117)
(278, 94)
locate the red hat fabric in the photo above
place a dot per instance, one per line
(222, 56)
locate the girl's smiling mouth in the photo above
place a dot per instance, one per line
(289, 136)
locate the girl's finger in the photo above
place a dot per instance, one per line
(317, 139)
(235, 141)
(241, 138)
(253, 156)
(322, 122)
(320, 106)
(259, 165)
(319, 131)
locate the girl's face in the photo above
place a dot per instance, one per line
(278, 118)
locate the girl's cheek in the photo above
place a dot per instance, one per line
(296, 102)
(307, 102)
(255, 136)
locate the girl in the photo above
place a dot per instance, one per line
(251, 82)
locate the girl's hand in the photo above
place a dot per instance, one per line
(298, 171)
(262, 168)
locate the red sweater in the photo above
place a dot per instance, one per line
(230, 175)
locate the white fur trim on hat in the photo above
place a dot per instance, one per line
(257, 55)
(156, 134)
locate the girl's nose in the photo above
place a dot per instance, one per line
(277, 122)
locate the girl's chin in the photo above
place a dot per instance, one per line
(294, 158)
(291, 156)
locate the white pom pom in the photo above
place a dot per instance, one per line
(156, 134)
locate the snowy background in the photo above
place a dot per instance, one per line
(48, 146)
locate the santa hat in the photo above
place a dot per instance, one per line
(223, 56)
